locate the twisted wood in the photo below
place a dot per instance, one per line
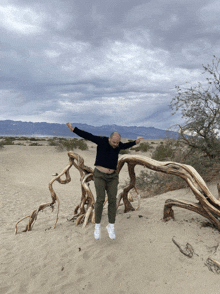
(207, 206)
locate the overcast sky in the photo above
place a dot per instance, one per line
(102, 61)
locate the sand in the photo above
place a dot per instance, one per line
(67, 259)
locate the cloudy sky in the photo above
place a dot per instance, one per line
(102, 61)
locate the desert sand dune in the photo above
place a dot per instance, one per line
(67, 259)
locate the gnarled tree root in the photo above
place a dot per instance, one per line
(87, 201)
(207, 205)
(125, 193)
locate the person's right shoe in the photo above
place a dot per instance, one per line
(97, 232)
(111, 231)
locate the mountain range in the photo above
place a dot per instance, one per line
(38, 129)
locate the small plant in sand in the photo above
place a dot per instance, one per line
(68, 144)
(53, 141)
(35, 144)
(22, 139)
(8, 141)
(163, 151)
(143, 147)
(125, 151)
(37, 139)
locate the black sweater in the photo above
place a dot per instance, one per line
(106, 155)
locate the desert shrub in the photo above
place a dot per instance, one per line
(163, 151)
(35, 144)
(208, 168)
(23, 138)
(68, 144)
(8, 141)
(155, 183)
(124, 151)
(36, 139)
(75, 144)
(143, 147)
(53, 142)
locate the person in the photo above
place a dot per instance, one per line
(105, 175)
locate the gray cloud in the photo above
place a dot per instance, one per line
(102, 62)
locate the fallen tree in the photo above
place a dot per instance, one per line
(207, 205)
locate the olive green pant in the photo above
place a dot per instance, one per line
(109, 183)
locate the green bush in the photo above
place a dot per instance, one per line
(163, 152)
(22, 138)
(155, 183)
(68, 144)
(8, 141)
(36, 139)
(35, 144)
(53, 142)
(75, 144)
(124, 151)
(143, 147)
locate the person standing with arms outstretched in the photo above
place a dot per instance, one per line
(104, 175)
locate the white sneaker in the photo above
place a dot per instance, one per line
(97, 232)
(111, 231)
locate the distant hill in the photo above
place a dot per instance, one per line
(19, 128)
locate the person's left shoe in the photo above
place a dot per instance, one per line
(111, 231)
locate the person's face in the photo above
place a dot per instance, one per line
(114, 141)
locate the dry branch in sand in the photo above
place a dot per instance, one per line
(187, 250)
(213, 265)
(207, 205)
(81, 213)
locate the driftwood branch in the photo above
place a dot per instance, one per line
(207, 205)
(85, 213)
(187, 250)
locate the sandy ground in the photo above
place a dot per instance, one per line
(67, 259)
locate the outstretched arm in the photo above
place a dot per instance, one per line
(85, 135)
(130, 144)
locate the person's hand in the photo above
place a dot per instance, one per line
(138, 140)
(70, 127)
